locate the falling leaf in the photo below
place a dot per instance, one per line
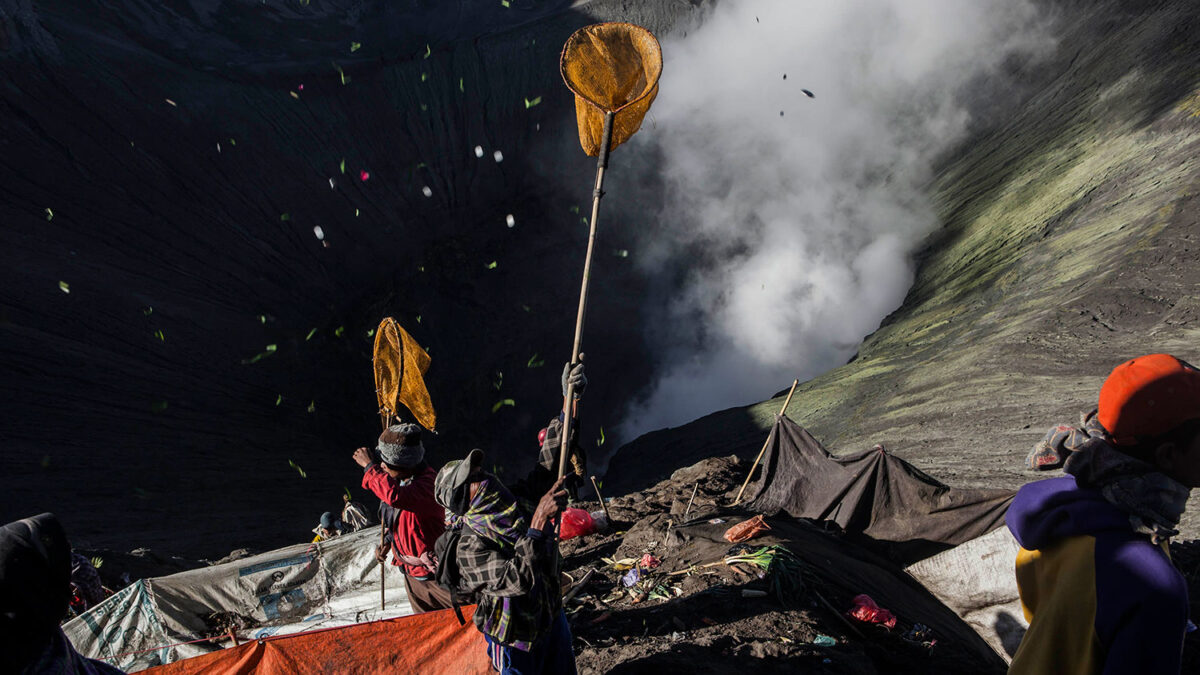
(492, 265)
(530, 103)
(64, 287)
(347, 491)
(505, 3)
(232, 142)
(312, 407)
(218, 147)
(575, 210)
(49, 214)
(424, 77)
(341, 73)
(808, 93)
(621, 253)
(420, 268)
(428, 51)
(310, 334)
(159, 334)
(424, 107)
(97, 562)
(340, 331)
(342, 165)
(355, 46)
(535, 362)
(499, 381)
(285, 216)
(601, 440)
(503, 402)
(270, 348)
(278, 399)
(371, 333)
(170, 101)
(418, 318)
(148, 311)
(158, 406)
(297, 468)
(460, 85)
(355, 213)
(295, 95)
(262, 318)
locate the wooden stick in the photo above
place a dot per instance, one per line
(601, 498)
(764, 447)
(233, 636)
(382, 537)
(578, 587)
(689, 506)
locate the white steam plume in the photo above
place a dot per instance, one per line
(794, 233)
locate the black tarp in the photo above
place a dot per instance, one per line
(871, 493)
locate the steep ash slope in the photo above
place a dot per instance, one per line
(1068, 245)
(169, 162)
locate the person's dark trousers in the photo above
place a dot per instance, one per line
(552, 655)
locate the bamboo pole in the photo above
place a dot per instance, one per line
(601, 498)
(764, 447)
(689, 506)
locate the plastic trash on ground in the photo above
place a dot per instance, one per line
(867, 611)
(746, 530)
(575, 523)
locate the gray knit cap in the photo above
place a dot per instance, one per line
(400, 445)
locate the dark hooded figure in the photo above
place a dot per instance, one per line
(35, 591)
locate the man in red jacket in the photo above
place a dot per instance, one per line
(403, 481)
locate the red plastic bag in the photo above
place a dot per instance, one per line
(575, 523)
(867, 611)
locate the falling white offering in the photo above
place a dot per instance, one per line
(319, 232)
(427, 191)
(498, 156)
(330, 183)
(218, 148)
(479, 151)
(512, 222)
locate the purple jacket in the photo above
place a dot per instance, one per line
(1100, 597)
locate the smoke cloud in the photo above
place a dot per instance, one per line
(779, 228)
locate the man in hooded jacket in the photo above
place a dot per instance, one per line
(1094, 572)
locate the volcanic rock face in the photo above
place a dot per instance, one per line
(1068, 246)
(209, 206)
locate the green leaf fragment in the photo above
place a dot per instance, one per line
(312, 407)
(285, 216)
(355, 213)
(158, 406)
(418, 318)
(262, 318)
(271, 348)
(278, 399)
(340, 331)
(342, 165)
(97, 562)
(535, 362)
(49, 213)
(424, 77)
(297, 468)
(505, 3)
(311, 333)
(159, 334)
(621, 253)
(529, 103)
(371, 333)
(64, 287)
(355, 46)
(575, 209)
(148, 311)
(492, 265)
(460, 85)
(503, 402)
(601, 440)
(347, 491)
(428, 51)
(232, 142)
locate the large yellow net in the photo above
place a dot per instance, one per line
(400, 366)
(611, 67)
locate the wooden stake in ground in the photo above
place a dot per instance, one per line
(382, 538)
(764, 447)
(689, 506)
(601, 498)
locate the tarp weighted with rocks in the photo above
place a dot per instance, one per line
(289, 590)
(871, 493)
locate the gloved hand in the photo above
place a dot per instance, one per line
(574, 376)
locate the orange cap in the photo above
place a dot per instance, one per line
(1148, 396)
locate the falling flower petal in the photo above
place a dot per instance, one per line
(300, 88)
(319, 232)
(512, 222)
(498, 156)
(331, 184)
(363, 176)
(427, 191)
(170, 101)
(479, 151)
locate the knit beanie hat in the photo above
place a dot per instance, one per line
(400, 445)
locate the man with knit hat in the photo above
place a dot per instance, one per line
(1095, 577)
(403, 481)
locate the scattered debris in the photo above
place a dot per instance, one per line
(311, 333)
(824, 641)
(320, 233)
(503, 402)
(49, 213)
(746, 530)
(867, 611)
(491, 265)
(529, 103)
(64, 287)
(355, 46)
(631, 577)
(297, 468)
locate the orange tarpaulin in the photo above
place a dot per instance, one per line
(427, 643)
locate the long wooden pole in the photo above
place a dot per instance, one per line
(601, 498)
(764, 447)
(597, 193)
